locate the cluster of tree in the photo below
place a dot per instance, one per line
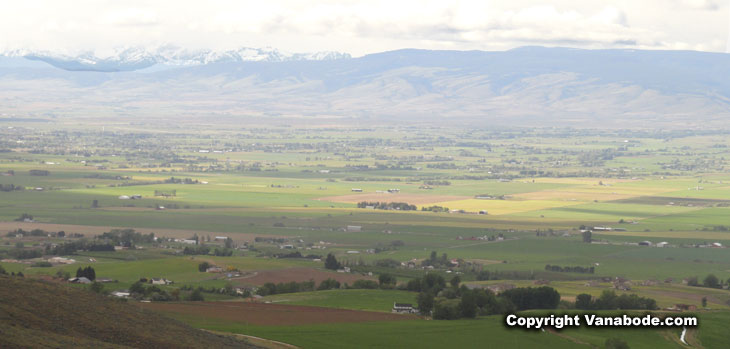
(173, 180)
(203, 267)
(331, 262)
(435, 208)
(576, 269)
(523, 298)
(402, 206)
(139, 290)
(329, 284)
(587, 236)
(271, 240)
(39, 172)
(87, 272)
(21, 253)
(365, 284)
(436, 182)
(448, 302)
(223, 252)
(387, 263)
(10, 187)
(429, 283)
(437, 262)
(710, 281)
(71, 247)
(270, 288)
(127, 237)
(608, 300)
(228, 289)
(196, 250)
(34, 232)
(293, 254)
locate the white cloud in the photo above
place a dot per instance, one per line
(363, 26)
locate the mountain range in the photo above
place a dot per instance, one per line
(137, 58)
(525, 86)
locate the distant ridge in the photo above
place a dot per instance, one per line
(527, 86)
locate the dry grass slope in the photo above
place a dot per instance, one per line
(36, 313)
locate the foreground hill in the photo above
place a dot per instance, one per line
(41, 314)
(525, 86)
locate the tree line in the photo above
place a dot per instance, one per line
(575, 269)
(402, 206)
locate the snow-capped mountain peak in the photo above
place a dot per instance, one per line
(136, 58)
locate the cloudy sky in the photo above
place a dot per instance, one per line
(364, 26)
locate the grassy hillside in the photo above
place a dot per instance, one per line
(35, 313)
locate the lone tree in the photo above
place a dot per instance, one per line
(583, 301)
(587, 236)
(387, 280)
(711, 281)
(203, 267)
(704, 302)
(331, 262)
(425, 303)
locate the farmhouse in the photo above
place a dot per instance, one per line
(79, 280)
(221, 238)
(404, 308)
(121, 294)
(645, 243)
(662, 244)
(159, 281)
(214, 270)
(357, 190)
(354, 228)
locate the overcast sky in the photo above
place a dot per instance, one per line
(361, 27)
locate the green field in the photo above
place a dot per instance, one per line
(276, 191)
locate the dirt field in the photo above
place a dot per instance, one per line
(298, 275)
(270, 314)
(90, 230)
(413, 199)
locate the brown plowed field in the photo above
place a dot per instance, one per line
(413, 199)
(270, 314)
(298, 275)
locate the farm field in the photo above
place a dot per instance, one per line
(309, 235)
